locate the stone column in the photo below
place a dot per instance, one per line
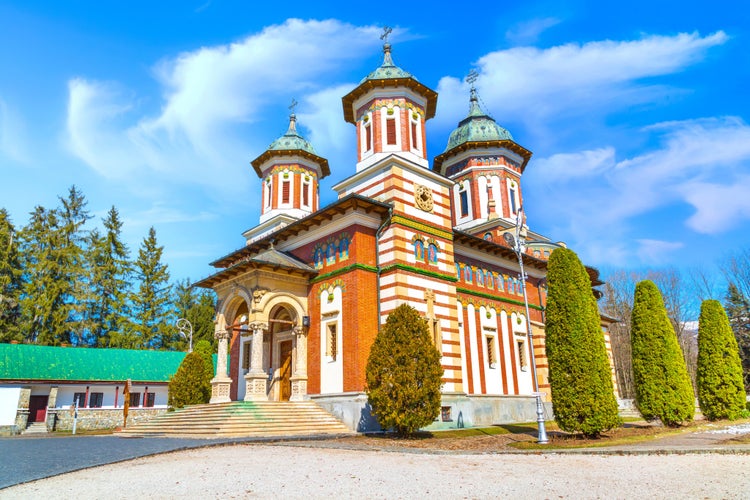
(221, 383)
(51, 412)
(256, 379)
(299, 375)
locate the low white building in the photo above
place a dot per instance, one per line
(42, 383)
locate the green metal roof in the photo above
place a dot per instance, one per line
(477, 127)
(291, 140)
(33, 362)
(387, 70)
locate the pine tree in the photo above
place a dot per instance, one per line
(191, 385)
(738, 310)
(721, 391)
(10, 281)
(579, 372)
(42, 304)
(662, 383)
(150, 301)
(404, 373)
(109, 271)
(198, 307)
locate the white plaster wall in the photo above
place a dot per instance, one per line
(473, 348)
(508, 351)
(331, 370)
(492, 376)
(525, 382)
(483, 199)
(462, 346)
(9, 404)
(65, 394)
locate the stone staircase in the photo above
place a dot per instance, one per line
(35, 428)
(242, 419)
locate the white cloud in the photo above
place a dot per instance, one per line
(529, 31)
(209, 95)
(13, 143)
(542, 85)
(703, 163)
(657, 251)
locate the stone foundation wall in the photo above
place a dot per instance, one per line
(98, 419)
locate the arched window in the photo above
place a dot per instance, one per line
(467, 274)
(432, 254)
(318, 257)
(331, 254)
(463, 199)
(344, 249)
(419, 250)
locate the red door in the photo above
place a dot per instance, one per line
(37, 408)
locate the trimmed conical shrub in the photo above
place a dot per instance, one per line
(662, 384)
(579, 372)
(191, 385)
(720, 386)
(404, 373)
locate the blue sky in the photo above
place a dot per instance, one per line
(636, 112)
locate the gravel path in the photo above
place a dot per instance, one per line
(270, 471)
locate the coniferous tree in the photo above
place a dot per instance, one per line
(721, 391)
(738, 310)
(404, 373)
(198, 307)
(662, 383)
(109, 271)
(10, 281)
(43, 315)
(150, 301)
(579, 372)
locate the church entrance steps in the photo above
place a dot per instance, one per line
(36, 428)
(242, 419)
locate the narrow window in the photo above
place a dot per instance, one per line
(268, 192)
(135, 399)
(491, 361)
(246, 356)
(285, 184)
(437, 336)
(464, 197)
(95, 399)
(331, 341)
(521, 354)
(149, 399)
(306, 194)
(513, 199)
(414, 135)
(390, 131)
(368, 137)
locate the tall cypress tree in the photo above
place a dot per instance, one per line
(10, 281)
(721, 391)
(150, 301)
(738, 310)
(109, 271)
(579, 372)
(662, 384)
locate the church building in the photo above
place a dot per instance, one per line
(299, 306)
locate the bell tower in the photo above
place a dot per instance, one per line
(289, 171)
(389, 108)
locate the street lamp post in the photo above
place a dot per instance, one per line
(518, 244)
(183, 325)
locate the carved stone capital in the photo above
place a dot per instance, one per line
(258, 325)
(299, 330)
(221, 334)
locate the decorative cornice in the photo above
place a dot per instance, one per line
(362, 267)
(423, 272)
(497, 298)
(401, 220)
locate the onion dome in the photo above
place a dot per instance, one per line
(387, 70)
(388, 75)
(477, 127)
(291, 143)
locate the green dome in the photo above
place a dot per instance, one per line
(291, 140)
(477, 127)
(387, 70)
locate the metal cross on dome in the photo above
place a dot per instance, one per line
(387, 30)
(472, 77)
(293, 105)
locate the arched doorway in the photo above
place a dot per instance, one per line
(281, 323)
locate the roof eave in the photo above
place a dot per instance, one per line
(364, 87)
(270, 153)
(524, 153)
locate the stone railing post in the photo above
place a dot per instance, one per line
(221, 383)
